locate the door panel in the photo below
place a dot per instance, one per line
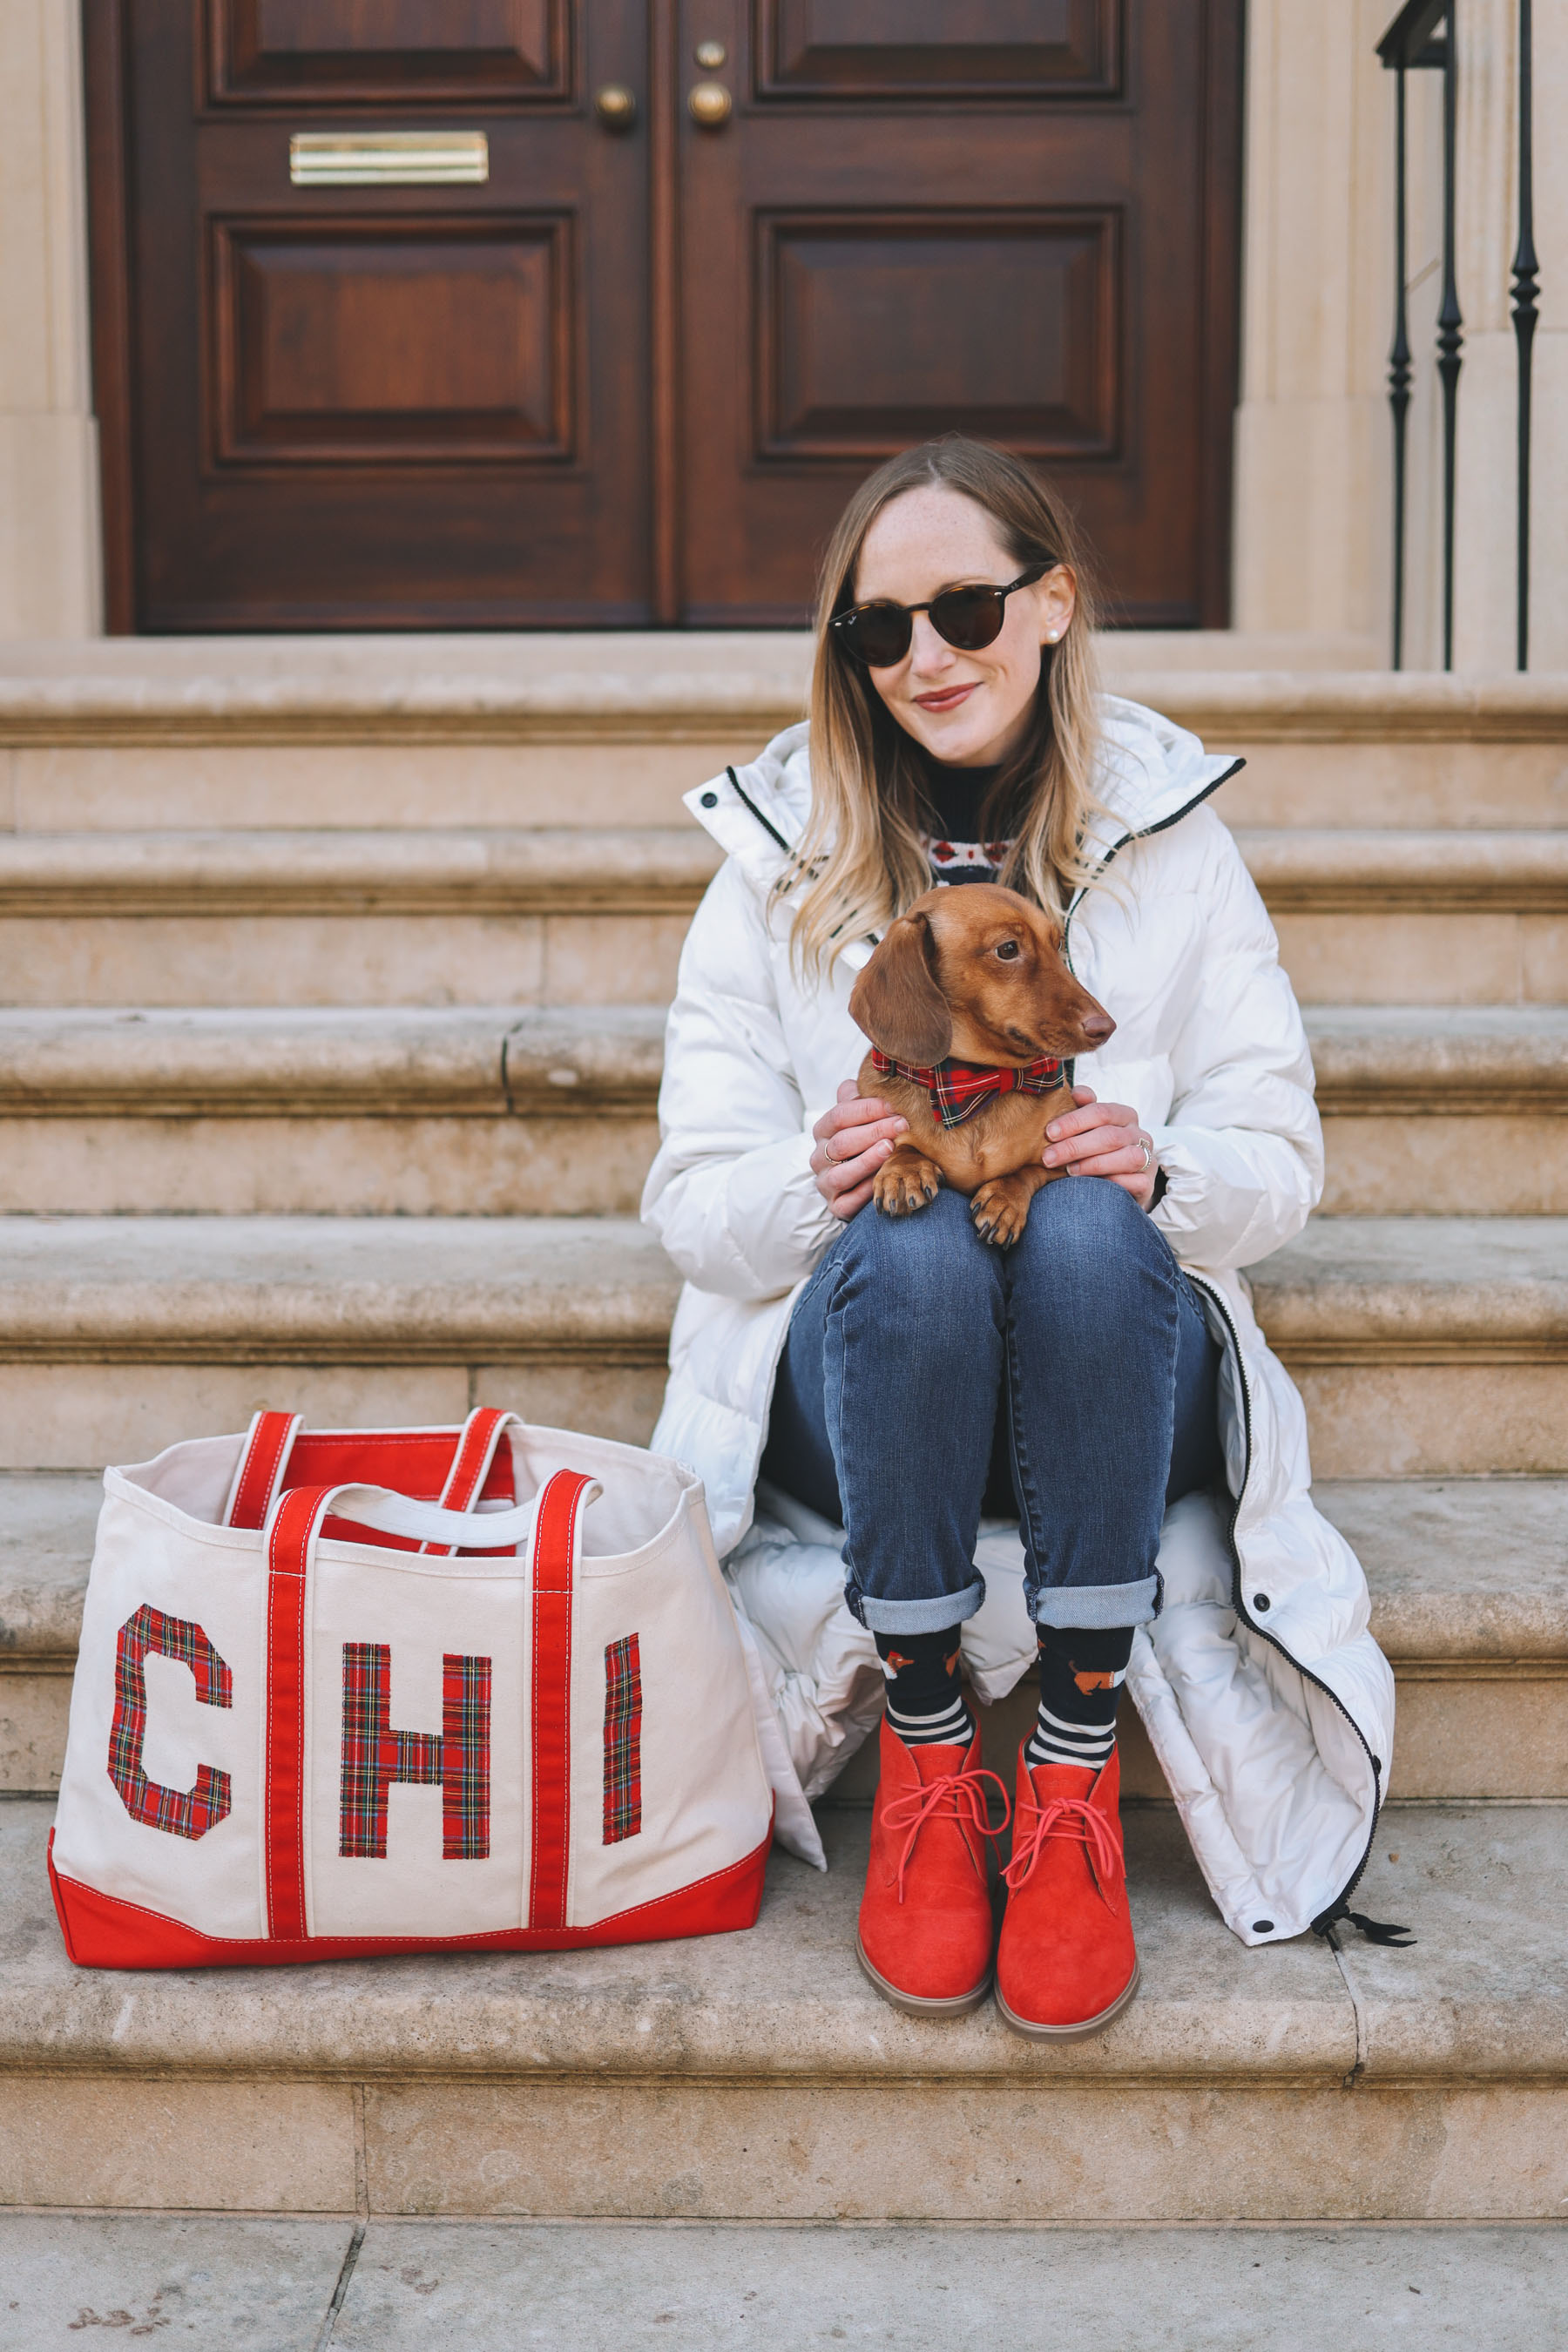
(340, 342)
(388, 405)
(1039, 257)
(879, 330)
(889, 49)
(381, 50)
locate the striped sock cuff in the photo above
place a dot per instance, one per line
(951, 1726)
(1056, 1741)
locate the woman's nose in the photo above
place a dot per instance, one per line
(1098, 1027)
(931, 650)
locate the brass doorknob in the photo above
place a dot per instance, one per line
(616, 106)
(709, 105)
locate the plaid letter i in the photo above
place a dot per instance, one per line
(622, 1740)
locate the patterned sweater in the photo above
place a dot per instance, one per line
(955, 798)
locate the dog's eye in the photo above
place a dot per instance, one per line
(1007, 949)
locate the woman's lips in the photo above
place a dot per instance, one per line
(947, 698)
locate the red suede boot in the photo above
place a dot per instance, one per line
(926, 1927)
(1066, 1963)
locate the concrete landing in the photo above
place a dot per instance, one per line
(424, 2287)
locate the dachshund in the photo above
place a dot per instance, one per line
(971, 1013)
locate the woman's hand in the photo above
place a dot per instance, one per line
(852, 1141)
(1103, 1140)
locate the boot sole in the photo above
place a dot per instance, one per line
(1032, 2032)
(914, 2004)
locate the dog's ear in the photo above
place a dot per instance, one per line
(897, 1000)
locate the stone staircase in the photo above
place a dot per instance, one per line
(331, 1034)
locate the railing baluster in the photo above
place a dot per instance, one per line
(1410, 44)
(1450, 337)
(1525, 279)
(1399, 372)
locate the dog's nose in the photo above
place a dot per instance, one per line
(1098, 1027)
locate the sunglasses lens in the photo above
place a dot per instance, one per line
(879, 634)
(968, 618)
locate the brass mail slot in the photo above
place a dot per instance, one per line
(388, 159)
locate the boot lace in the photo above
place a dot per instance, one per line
(1072, 1817)
(958, 1793)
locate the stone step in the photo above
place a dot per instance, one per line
(573, 915)
(1425, 1347)
(611, 2287)
(1469, 1600)
(1417, 916)
(1469, 1579)
(118, 1335)
(490, 731)
(378, 1110)
(760, 2076)
(414, 1110)
(507, 916)
(1442, 1112)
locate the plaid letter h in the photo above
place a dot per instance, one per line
(373, 1755)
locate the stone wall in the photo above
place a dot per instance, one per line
(49, 542)
(1313, 527)
(1312, 522)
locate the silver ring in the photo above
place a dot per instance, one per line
(828, 1151)
(1148, 1150)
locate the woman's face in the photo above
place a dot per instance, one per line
(970, 710)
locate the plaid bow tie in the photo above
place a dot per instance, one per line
(957, 1090)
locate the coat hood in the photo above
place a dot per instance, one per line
(1148, 774)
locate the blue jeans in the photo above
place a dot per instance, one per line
(921, 1362)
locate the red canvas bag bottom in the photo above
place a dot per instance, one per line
(102, 1932)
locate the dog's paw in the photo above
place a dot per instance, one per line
(999, 1216)
(901, 1186)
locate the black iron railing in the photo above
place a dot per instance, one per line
(1421, 38)
(1524, 274)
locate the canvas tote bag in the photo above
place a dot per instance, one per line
(314, 1716)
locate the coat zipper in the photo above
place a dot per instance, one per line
(1146, 833)
(1338, 1907)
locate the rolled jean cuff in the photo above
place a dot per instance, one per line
(932, 1616)
(1096, 1605)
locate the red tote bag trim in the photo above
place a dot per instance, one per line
(470, 1465)
(266, 1450)
(554, 1565)
(102, 1932)
(283, 1822)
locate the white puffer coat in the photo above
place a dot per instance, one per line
(1268, 1704)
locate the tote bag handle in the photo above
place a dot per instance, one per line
(441, 1530)
(552, 1523)
(263, 1463)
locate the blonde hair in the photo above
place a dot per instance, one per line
(860, 854)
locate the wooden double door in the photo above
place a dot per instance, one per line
(565, 313)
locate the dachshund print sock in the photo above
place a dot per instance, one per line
(1082, 1675)
(925, 1697)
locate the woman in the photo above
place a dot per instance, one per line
(1104, 1380)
